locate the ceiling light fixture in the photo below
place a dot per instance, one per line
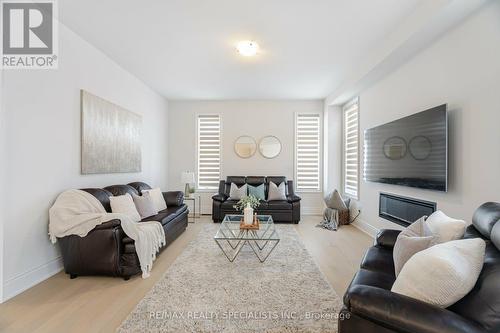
(247, 48)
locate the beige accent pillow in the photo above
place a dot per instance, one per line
(145, 205)
(442, 274)
(124, 204)
(445, 227)
(415, 238)
(157, 197)
(276, 192)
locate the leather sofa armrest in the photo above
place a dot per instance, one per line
(220, 197)
(108, 225)
(293, 198)
(387, 238)
(174, 198)
(405, 314)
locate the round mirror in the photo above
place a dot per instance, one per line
(420, 147)
(395, 148)
(245, 146)
(270, 146)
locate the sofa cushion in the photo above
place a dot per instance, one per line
(378, 259)
(279, 205)
(102, 195)
(167, 215)
(117, 190)
(229, 205)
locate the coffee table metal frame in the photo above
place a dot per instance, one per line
(262, 241)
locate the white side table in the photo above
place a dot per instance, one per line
(196, 199)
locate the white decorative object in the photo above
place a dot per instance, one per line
(445, 227)
(111, 137)
(442, 274)
(248, 214)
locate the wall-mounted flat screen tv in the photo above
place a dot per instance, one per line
(411, 151)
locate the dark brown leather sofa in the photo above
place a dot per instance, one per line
(281, 210)
(371, 307)
(106, 250)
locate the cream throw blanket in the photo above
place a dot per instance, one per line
(77, 212)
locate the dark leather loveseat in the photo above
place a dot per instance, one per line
(106, 250)
(370, 306)
(281, 210)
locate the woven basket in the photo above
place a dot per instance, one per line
(344, 217)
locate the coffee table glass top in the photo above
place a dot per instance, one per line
(230, 229)
(230, 238)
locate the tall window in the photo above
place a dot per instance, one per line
(209, 151)
(351, 148)
(307, 152)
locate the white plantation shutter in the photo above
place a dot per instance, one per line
(351, 149)
(209, 151)
(307, 152)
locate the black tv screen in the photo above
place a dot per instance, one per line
(411, 151)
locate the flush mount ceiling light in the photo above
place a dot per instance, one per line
(247, 48)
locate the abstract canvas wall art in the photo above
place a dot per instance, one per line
(111, 137)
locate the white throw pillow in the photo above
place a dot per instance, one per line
(276, 192)
(145, 205)
(415, 238)
(236, 193)
(445, 227)
(158, 198)
(442, 274)
(124, 204)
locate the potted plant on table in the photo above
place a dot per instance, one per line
(247, 205)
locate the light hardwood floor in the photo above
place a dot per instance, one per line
(100, 304)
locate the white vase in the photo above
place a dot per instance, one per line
(248, 214)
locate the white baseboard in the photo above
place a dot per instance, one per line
(365, 227)
(24, 281)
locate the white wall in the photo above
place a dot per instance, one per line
(43, 148)
(254, 118)
(462, 69)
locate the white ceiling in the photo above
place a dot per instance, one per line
(184, 49)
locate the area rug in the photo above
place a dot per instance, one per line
(203, 292)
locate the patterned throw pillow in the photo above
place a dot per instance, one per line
(236, 193)
(276, 192)
(257, 191)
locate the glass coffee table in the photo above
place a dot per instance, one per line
(231, 238)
